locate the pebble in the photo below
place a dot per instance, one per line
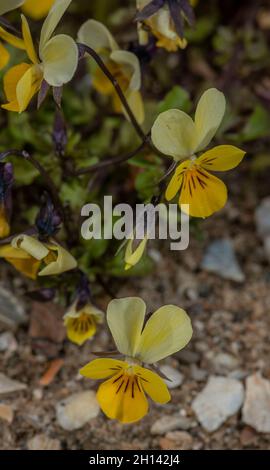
(221, 397)
(12, 313)
(8, 342)
(76, 410)
(43, 442)
(198, 374)
(187, 357)
(220, 259)
(8, 385)
(178, 440)
(224, 362)
(6, 413)
(171, 423)
(176, 378)
(256, 410)
(262, 219)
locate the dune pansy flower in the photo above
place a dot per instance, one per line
(82, 324)
(178, 135)
(56, 62)
(6, 181)
(123, 65)
(162, 27)
(37, 9)
(123, 395)
(5, 7)
(34, 258)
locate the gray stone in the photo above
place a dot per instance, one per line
(176, 378)
(221, 397)
(177, 440)
(171, 423)
(187, 357)
(77, 410)
(224, 362)
(198, 374)
(12, 311)
(8, 385)
(8, 342)
(220, 259)
(262, 218)
(256, 410)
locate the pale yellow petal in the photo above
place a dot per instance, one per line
(167, 331)
(52, 20)
(135, 101)
(102, 368)
(209, 114)
(153, 385)
(95, 35)
(221, 158)
(31, 246)
(173, 134)
(22, 261)
(122, 398)
(203, 192)
(125, 319)
(133, 257)
(4, 56)
(60, 60)
(131, 67)
(11, 39)
(37, 9)
(29, 46)
(8, 5)
(64, 262)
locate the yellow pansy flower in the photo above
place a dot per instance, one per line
(82, 324)
(162, 27)
(134, 252)
(123, 65)
(56, 63)
(178, 135)
(123, 395)
(5, 7)
(33, 258)
(37, 9)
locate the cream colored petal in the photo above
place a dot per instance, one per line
(60, 60)
(95, 35)
(131, 67)
(52, 20)
(125, 319)
(64, 262)
(174, 134)
(30, 245)
(133, 256)
(167, 331)
(27, 87)
(209, 114)
(8, 5)
(29, 46)
(135, 101)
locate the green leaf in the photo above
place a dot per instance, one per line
(258, 125)
(177, 98)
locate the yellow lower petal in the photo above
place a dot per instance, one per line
(122, 398)
(153, 385)
(176, 181)
(81, 328)
(203, 192)
(4, 56)
(11, 39)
